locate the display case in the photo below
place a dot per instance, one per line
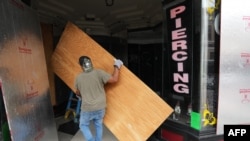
(191, 60)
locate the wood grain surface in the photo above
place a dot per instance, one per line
(134, 111)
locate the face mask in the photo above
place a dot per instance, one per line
(87, 65)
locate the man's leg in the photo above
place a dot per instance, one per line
(84, 125)
(98, 121)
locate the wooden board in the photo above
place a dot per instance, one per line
(134, 111)
(47, 35)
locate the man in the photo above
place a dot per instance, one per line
(90, 87)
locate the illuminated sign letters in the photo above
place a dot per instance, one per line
(179, 51)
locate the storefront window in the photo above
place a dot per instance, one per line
(191, 62)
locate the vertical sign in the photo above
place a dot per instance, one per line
(179, 46)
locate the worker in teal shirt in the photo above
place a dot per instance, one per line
(90, 87)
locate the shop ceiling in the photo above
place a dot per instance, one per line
(101, 16)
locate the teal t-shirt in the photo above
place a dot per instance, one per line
(91, 86)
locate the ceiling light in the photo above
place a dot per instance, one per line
(109, 2)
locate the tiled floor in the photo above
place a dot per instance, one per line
(107, 135)
(61, 135)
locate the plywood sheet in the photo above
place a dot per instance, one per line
(47, 34)
(134, 111)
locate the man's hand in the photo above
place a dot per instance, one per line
(77, 92)
(118, 63)
(79, 97)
